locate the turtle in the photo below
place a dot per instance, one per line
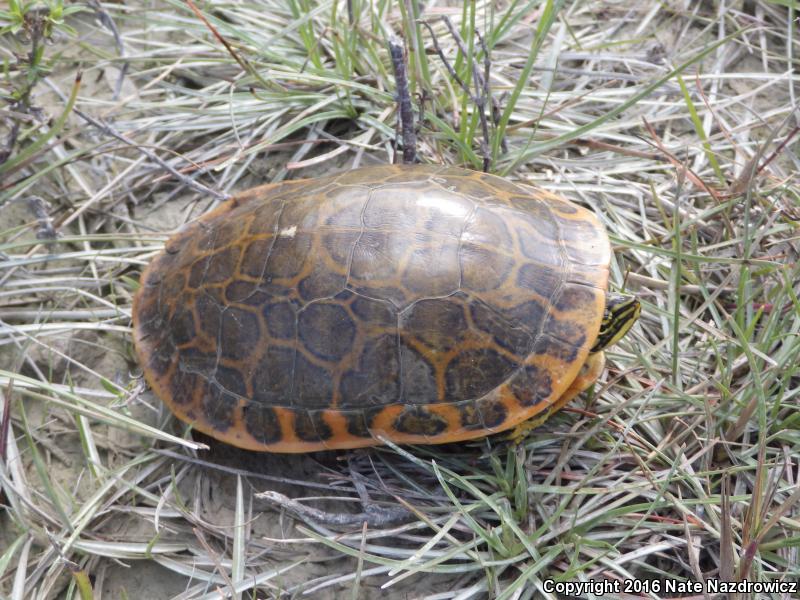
(415, 304)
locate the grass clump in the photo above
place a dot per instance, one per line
(678, 127)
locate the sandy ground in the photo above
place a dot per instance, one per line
(197, 498)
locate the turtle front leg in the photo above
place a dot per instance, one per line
(588, 374)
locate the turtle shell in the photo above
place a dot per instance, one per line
(419, 304)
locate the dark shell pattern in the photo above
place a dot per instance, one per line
(418, 304)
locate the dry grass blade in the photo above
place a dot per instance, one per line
(676, 123)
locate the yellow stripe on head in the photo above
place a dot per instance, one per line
(620, 315)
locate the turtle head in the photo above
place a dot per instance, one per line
(620, 315)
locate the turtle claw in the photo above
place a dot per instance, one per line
(523, 429)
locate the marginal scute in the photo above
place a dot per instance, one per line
(356, 423)
(265, 220)
(175, 245)
(418, 420)
(493, 412)
(368, 176)
(218, 406)
(464, 185)
(499, 184)
(220, 236)
(471, 417)
(371, 414)
(402, 176)
(344, 206)
(300, 212)
(261, 422)
(161, 359)
(537, 215)
(310, 426)
(483, 414)
(182, 386)
(573, 230)
(420, 303)
(149, 314)
(531, 385)
(561, 206)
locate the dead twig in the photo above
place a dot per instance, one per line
(405, 111)
(480, 81)
(373, 516)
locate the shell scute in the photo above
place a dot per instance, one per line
(375, 376)
(312, 383)
(218, 406)
(272, 377)
(484, 414)
(310, 426)
(503, 332)
(182, 325)
(483, 269)
(330, 317)
(419, 420)
(488, 230)
(418, 380)
(239, 333)
(474, 373)
(531, 385)
(262, 423)
(356, 423)
(230, 380)
(182, 386)
(281, 319)
(440, 324)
